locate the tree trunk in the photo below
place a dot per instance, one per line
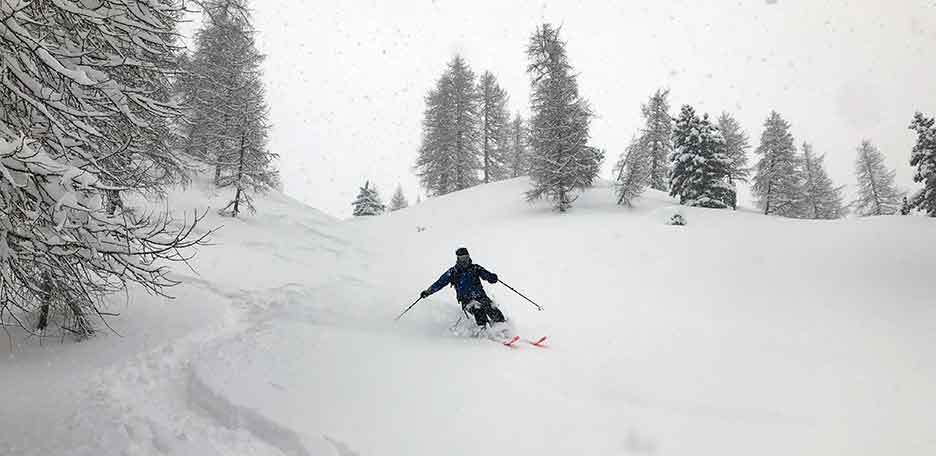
(240, 174)
(46, 288)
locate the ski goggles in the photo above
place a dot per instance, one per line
(463, 260)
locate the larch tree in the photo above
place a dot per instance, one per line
(449, 156)
(923, 158)
(227, 124)
(778, 175)
(368, 202)
(821, 198)
(877, 193)
(85, 116)
(632, 172)
(399, 200)
(493, 121)
(517, 143)
(736, 147)
(561, 159)
(658, 138)
(699, 175)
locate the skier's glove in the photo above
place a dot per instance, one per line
(493, 278)
(423, 294)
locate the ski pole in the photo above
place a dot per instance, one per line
(538, 307)
(408, 308)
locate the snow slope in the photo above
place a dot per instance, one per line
(737, 334)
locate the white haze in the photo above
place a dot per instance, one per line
(346, 79)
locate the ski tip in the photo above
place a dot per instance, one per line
(541, 342)
(512, 341)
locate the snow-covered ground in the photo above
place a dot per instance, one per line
(737, 334)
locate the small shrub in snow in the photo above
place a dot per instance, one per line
(677, 220)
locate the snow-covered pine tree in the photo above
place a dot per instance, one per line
(561, 160)
(399, 200)
(449, 157)
(227, 121)
(632, 171)
(368, 202)
(84, 116)
(924, 158)
(736, 147)
(699, 175)
(493, 119)
(778, 175)
(658, 138)
(877, 193)
(821, 199)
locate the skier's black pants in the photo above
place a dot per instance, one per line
(483, 311)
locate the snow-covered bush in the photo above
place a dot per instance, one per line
(677, 220)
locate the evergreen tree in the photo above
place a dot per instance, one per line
(736, 147)
(561, 159)
(227, 122)
(778, 174)
(519, 156)
(905, 208)
(85, 115)
(658, 138)
(877, 193)
(368, 202)
(493, 120)
(821, 200)
(449, 156)
(924, 158)
(700, 165)
(632, 171)
(399, 200)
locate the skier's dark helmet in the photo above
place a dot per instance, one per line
(461, 257)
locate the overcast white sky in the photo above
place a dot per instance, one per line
(346, 79)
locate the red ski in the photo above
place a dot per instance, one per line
(541, 342)
(510, 343)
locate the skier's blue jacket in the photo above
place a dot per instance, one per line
(467, 282)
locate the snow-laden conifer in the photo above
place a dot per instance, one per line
(632, 172)
(85, 116)
(923, 158)
(227, 124)
(561, 159)
(736, 147)
(778, 175)
(699, 175)
(493, 120)
(449, 157)
(368, 202)
(821, 198)
(399, 200)
(877, 193)
(658, 138)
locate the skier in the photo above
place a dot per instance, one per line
(466, 277)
